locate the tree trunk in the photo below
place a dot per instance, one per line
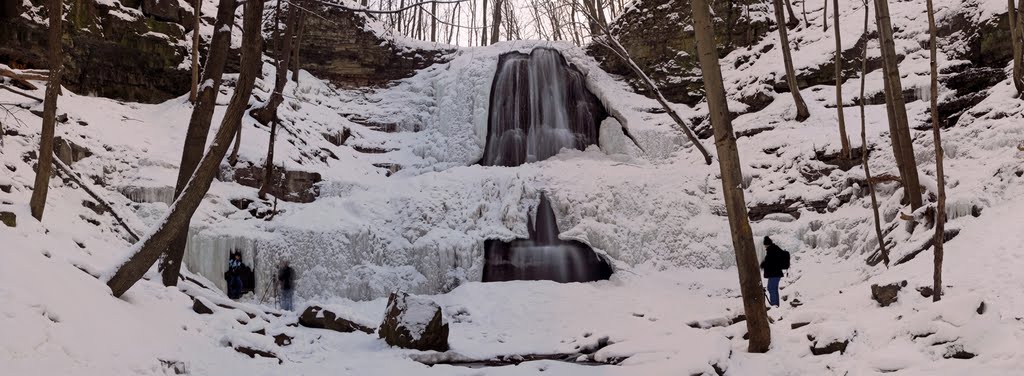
(483, 31)
(44, 167)
(268, 111)
(793, 21)
(268, 165)
(940, 210)
(864, 144)
(905, 149)
(433, 24)
(144, 253)
(824, 16)
(599, 6)
(195, 52)
(300, 30)
(496, 21)
(1015, 37)
(801, 107)
(845, 142)
(732, 182)
(199, 128)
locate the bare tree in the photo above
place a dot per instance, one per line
(940, 210)
(496, 21)
(903, 146)
(801, 107)
(824, 15)
(839, 81)
(732, 182)
(56, 59)
(793, 21)
(144, 253)
(483, 19)
(864, 143)
(199, 128)
(300, 30)
(197, 4)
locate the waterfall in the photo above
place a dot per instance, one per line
(543, 256)
(539, 105)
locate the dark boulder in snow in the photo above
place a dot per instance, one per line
(414, 323)
(253, 353)
(886, 294)
(163, 10)
(200, 307)
(828, 348)
(9, 219)
(320, 318)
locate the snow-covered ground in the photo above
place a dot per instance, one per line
(656, 213)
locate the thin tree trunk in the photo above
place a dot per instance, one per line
(433, 23)
(233, 158)
(199, 128)
(940, 210)
(483, 32)
(44, 167)
(300, 30)
(839, 82)
(905, 149)
(195, 52)
(824, 15)
(496, 21)
(599, 5)
(732, 182)
(801, 107)
(793, 21)
(268, 111)
(144, 253)
(864, 143)
(1018, 70)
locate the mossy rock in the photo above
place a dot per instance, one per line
(9, 219)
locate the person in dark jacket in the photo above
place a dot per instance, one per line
(775, 261)
(233, 275)
(286, 280)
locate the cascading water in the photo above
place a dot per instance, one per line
(539, 105)
(543, 256)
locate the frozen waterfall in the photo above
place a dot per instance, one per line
(543, 256)
(539, 105)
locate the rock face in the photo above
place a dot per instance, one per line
(341, 48)
(107, 52)
(887, 294)
(9, 219)
(319, 318)
(413, 322)
(292, 186)
(655, 39)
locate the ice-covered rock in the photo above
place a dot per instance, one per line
(320, 318)
(414, 322)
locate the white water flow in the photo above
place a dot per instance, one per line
(543, 256)
(539, 105)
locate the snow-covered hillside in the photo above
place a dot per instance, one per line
(402, 204)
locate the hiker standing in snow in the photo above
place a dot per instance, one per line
(775, 261)
(233, 276)
(286, 279)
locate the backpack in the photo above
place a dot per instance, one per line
(785, 260)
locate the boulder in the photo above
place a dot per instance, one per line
(886, 294)
(163, 10)
(414, 322)
(9, 219)
(829, 348)
(320, 318)
(201, 308)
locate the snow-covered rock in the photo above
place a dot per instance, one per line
(414, 322)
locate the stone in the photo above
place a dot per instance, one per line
(832, 347)
(798, 325)
(163, 10)
(9, 219)
(69, 152)
(926, 291)
(5, 188)
(320, 318)
(283, 339)
(341, 48)
(886, 294)
(253, 353)
(106, 54)
(414, 322)
(291, 186)
(201, 308)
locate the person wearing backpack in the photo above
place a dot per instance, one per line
(775, 261)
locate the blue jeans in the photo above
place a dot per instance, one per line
(286, 299)
(235, 287)
(773, 291)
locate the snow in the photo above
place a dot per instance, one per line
(652, 207)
